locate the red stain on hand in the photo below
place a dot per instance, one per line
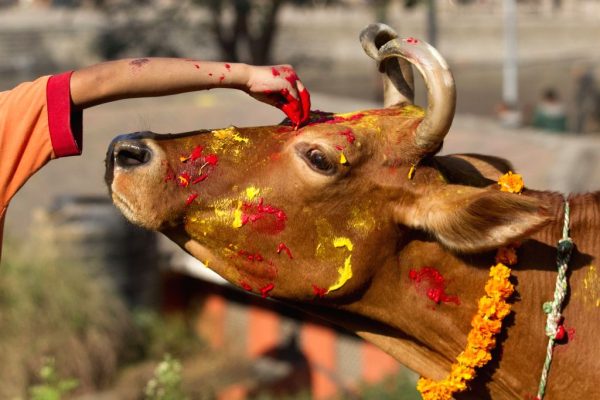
(197, 66)
(221, 78)
(228, 67)
(264, 291)
(319, 292)
(430, 282)
(139, 62)
(245, 286)
(275, 72)
(282, 247)
(191, 199)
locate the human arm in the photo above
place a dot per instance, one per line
(149, 77)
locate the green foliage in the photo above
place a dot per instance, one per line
(159, 335)
(52, 387)
(67, 312)
(166, 382)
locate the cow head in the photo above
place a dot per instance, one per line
(315, 212)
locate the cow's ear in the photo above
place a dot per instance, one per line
(468, 220)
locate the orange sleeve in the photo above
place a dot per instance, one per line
(37, 123)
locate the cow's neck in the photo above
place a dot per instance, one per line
(430, 336)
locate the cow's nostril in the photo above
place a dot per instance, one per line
(128, 155)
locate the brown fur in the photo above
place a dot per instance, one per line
(450, 216)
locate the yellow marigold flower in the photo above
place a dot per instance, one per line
(491, 309)
(512, 183)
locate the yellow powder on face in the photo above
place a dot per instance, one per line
(228, 141)
(343, 159)
(252, 192)
(412, 111)
(361, 220)
(345, 273)
(237, 216)
(343, 242)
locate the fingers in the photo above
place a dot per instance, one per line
(280, 86)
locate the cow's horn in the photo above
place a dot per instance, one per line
(398, 84)
(441, 92)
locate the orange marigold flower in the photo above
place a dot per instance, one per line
(492, 308)
(512, 183)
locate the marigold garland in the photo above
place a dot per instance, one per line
(511, 183)
(492, 309)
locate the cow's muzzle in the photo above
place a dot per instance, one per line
(127, 152)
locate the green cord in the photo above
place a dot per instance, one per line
(554, 308)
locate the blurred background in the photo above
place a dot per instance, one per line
(93, 308)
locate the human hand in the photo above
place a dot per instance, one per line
(279, 86)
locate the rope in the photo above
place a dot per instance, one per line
(553, 308)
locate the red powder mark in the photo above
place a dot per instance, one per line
(139, 62)
(221, 78)
(245, 286)
(264, 291)
(196, 153)
(282, 247)
(211, 159)
(319, 292)
(349, 135)
(197, 66)
(210, 74)
(411, 40)
(191, 199)
(253, 212)
(199, 179)
(432, 283)
(170, 176)
(338, 147)
(183, 179)
(275, 72)
(228, 67)
(251, 256)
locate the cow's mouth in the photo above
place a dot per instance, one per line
(124, 206)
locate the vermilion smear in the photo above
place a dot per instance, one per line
(282, 247)
(319, 291)
(211, 159)
(246, 286)
(349, 135)
(275, 72)
(429, 281)
(191, 199)
(228, 66)
(251, 256)
(264, 291)
(264, 217)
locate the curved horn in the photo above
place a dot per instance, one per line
(398, 83)
(441, 91)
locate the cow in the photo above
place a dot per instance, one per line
(356, 219)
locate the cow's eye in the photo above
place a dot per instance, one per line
(319, 161)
